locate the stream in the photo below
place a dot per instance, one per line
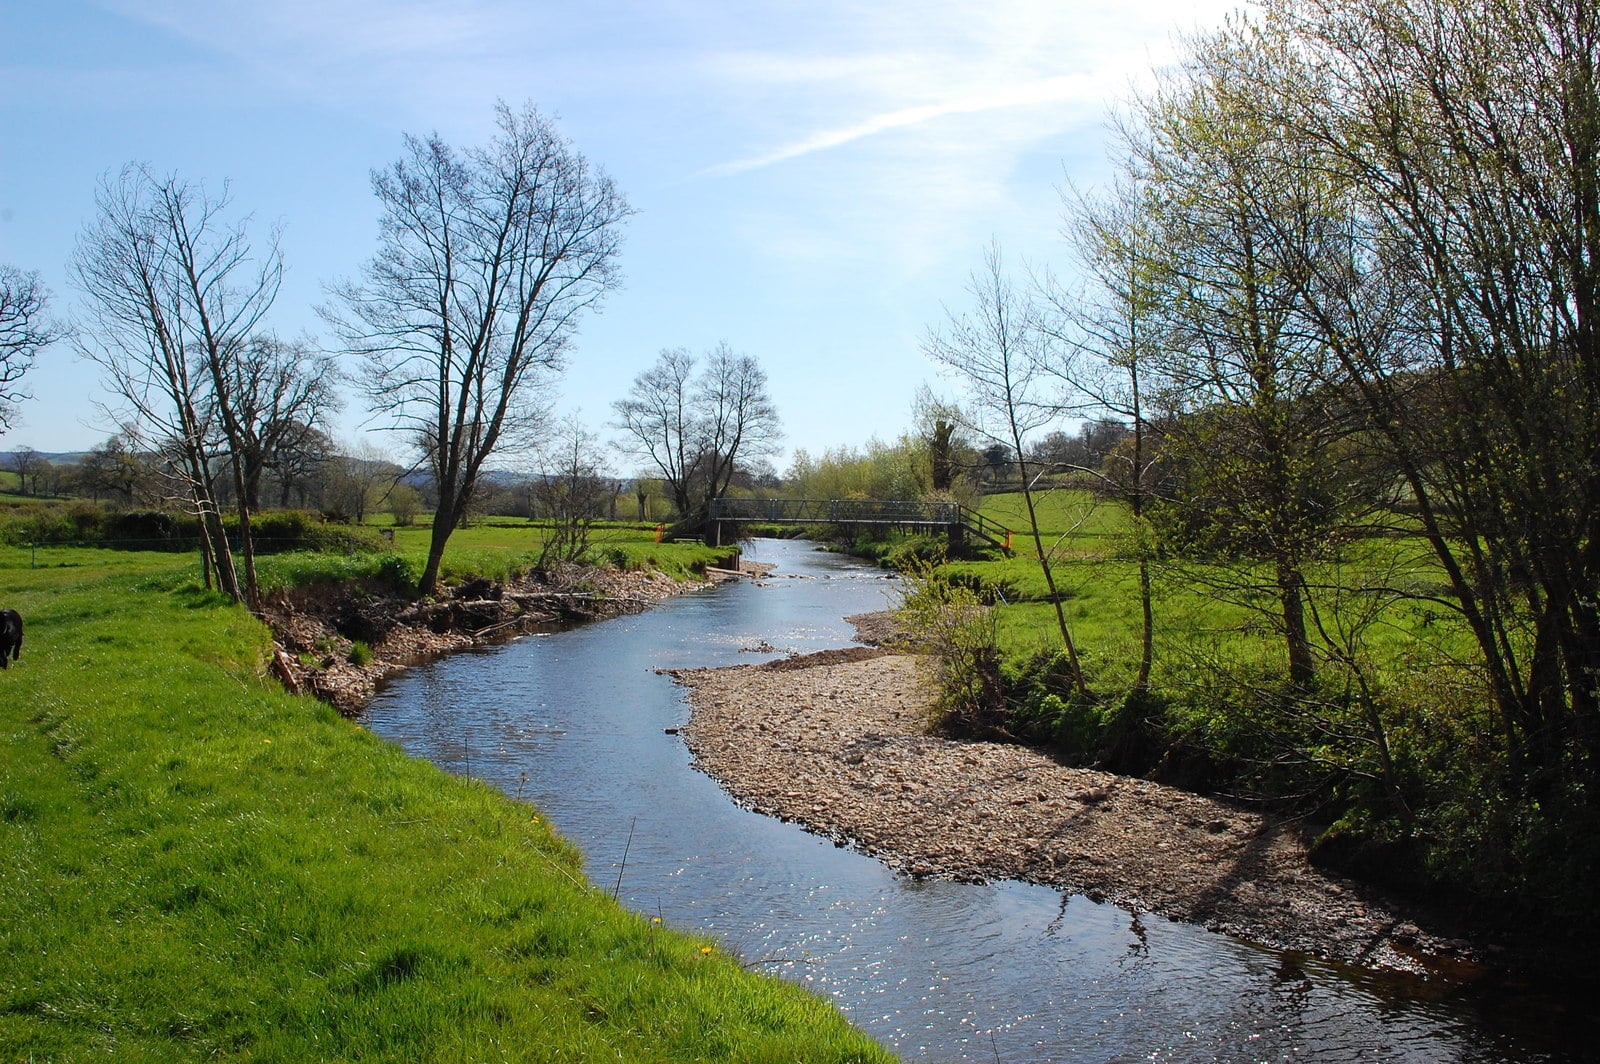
(577, 722)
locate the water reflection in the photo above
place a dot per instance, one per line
(578, 722)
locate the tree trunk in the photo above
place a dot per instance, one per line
(1067, 643)
(1147, 635)
(221, 552)
(206, 571)
(429, 583)
(1291, 596)
(247, 490)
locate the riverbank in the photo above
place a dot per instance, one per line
(199, 866)
(836, 742)
(316, 629)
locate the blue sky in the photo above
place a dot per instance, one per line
(813, 181)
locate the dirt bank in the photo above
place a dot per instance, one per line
(835, 742)
(316, 628)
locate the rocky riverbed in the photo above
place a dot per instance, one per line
(837, 742)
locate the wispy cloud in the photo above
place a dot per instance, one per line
(1045, 91)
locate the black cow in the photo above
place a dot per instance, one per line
(10, 637)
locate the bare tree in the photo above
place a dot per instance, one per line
(174, 293)
(738, 422)
(699, 429)
(28, 464)
(297, 462)
(282, 394)
(996, 351)
(24, 331)
(487, 259)
(572, 489)
(358, 479)
(1118, 325)
(658, 418)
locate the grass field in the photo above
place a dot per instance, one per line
(495, 549)
(200, 866)
(1200, 610)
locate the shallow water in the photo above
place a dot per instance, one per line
(576, 721)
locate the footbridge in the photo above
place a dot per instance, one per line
(953, 519)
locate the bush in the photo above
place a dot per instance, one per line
(89, 524)
(1044, 709)
(148, 530)
(958, 629)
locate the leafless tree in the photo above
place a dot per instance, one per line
(297, 463)
(174, 292)
(1114, 330)
(698, 429)
(995, 350)
(738, 421)
(572, 489)
(659, 421)
(24, 331)
(358, 479)
(282, 394)
(487, 259)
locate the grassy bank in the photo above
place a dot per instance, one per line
(1208, 626)
(198, 865)
(1394, 752)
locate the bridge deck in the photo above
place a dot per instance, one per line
(837, 512)
(904, 513)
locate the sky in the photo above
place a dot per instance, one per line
(813, 182)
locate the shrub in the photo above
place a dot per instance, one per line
(958, 629)
(149, 530)
(275, 531)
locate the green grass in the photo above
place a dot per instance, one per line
(1097, 576)
(500, 548)
(198, 865)
(1214, 653)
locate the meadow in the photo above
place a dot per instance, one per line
(1205, 613)
(200, 866)
(1394, 756)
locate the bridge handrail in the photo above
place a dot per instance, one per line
(837, 511)
(861, 511)
(991, 530)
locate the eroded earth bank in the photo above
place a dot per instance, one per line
(316, 629)
(836, 742)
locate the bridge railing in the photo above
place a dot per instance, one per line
(836, 511)
(992, 531)
(904, 512)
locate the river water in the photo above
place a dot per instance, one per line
(577, 722)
